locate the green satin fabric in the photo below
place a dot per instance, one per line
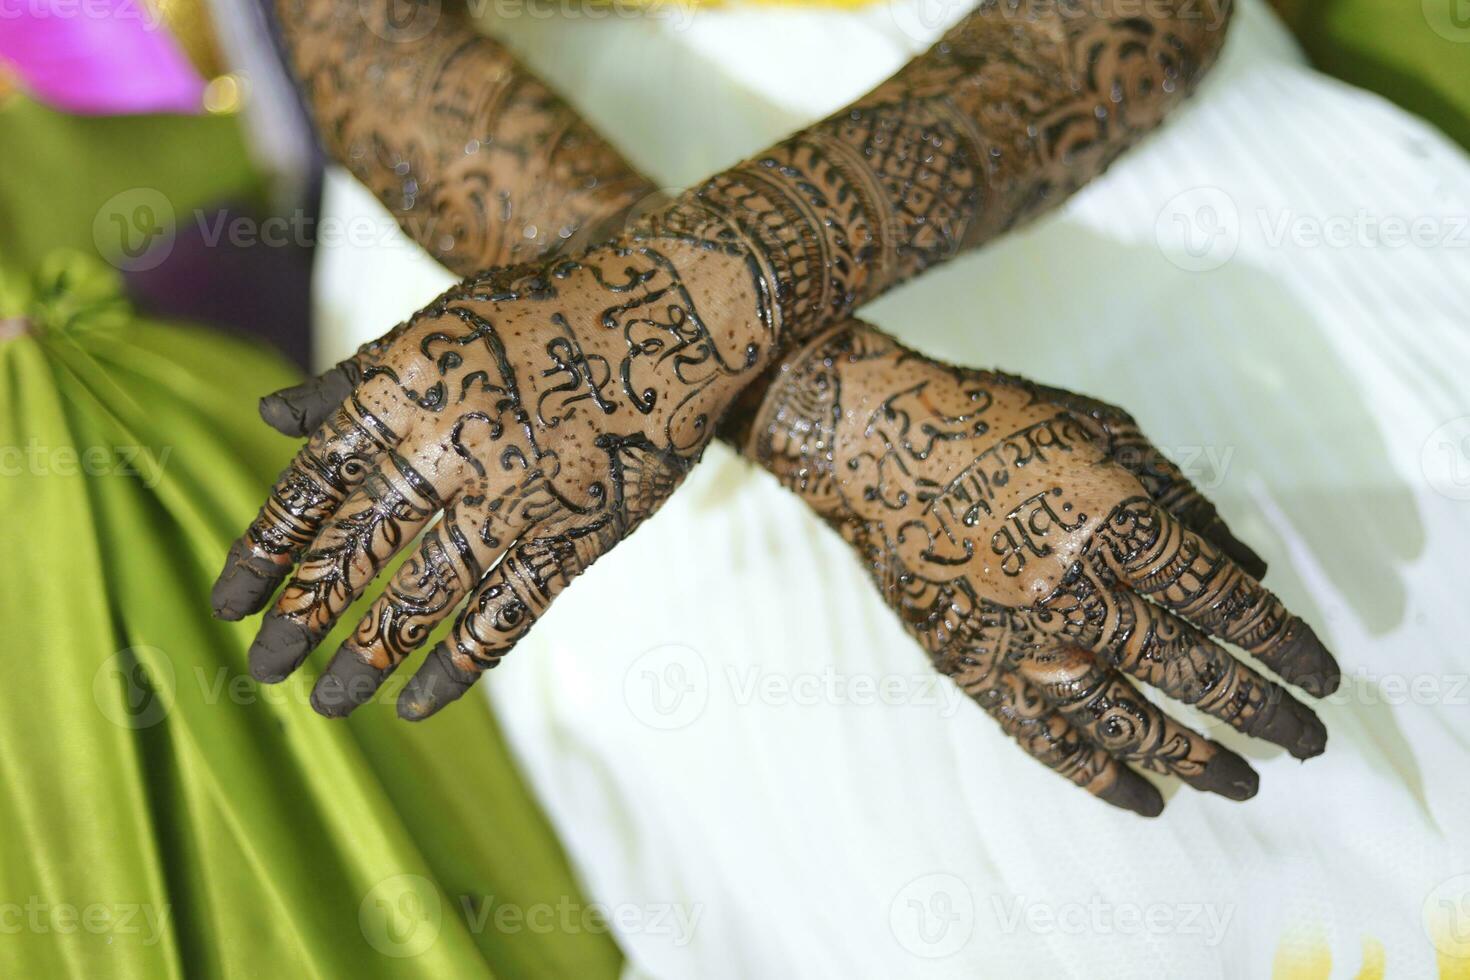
(62, 174)
(161, 815)
(1415, 52)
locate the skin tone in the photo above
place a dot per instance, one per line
(547, 409)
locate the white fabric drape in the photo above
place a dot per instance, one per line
(750, 762)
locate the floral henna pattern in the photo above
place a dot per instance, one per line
(1034, 566)
(1017, 106)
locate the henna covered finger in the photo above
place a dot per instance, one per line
(426, 589)
(1177, 494)
(512, 597)
(297, 410)
(1115, 715)
(1156, 647)
(1052, 740)
(544, 561)
(380, 518)
(300, 409)
(334, 462)
(1165, 562)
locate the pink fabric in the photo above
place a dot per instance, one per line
(97, 57)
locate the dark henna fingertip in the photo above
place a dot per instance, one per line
(1227, 775)
(277, 412)
(1132, 792)
(245, 585)
(280, 647)
(437, 683)
(1312, 742)
(348, 683)
(301, 409)
(1294, 727)
(1304, 660)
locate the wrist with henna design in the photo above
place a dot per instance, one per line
(916, 171)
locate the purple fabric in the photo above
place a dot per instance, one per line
(257, 290)
(98, 57)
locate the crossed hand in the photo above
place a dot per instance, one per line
(1042, 551)
(1048, 558)
(542, 412)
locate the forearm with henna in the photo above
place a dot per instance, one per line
(481, 163)
(408, 117)
(1017, 106)
(872, 204)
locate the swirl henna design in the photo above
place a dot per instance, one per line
(1126, 445)
(1017, 106)
(494, 409)
(757, 235)
(1036, 568)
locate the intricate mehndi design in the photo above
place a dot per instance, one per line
(480, 162)
(1013, 542)
(620, 360)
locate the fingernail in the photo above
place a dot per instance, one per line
(1227, 775)
(1303, 660)
(245, 585)
(438, 682)
(279, 648)
(1130, 791)
(348, 683)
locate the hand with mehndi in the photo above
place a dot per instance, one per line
(547, 410)
(1048, 559)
